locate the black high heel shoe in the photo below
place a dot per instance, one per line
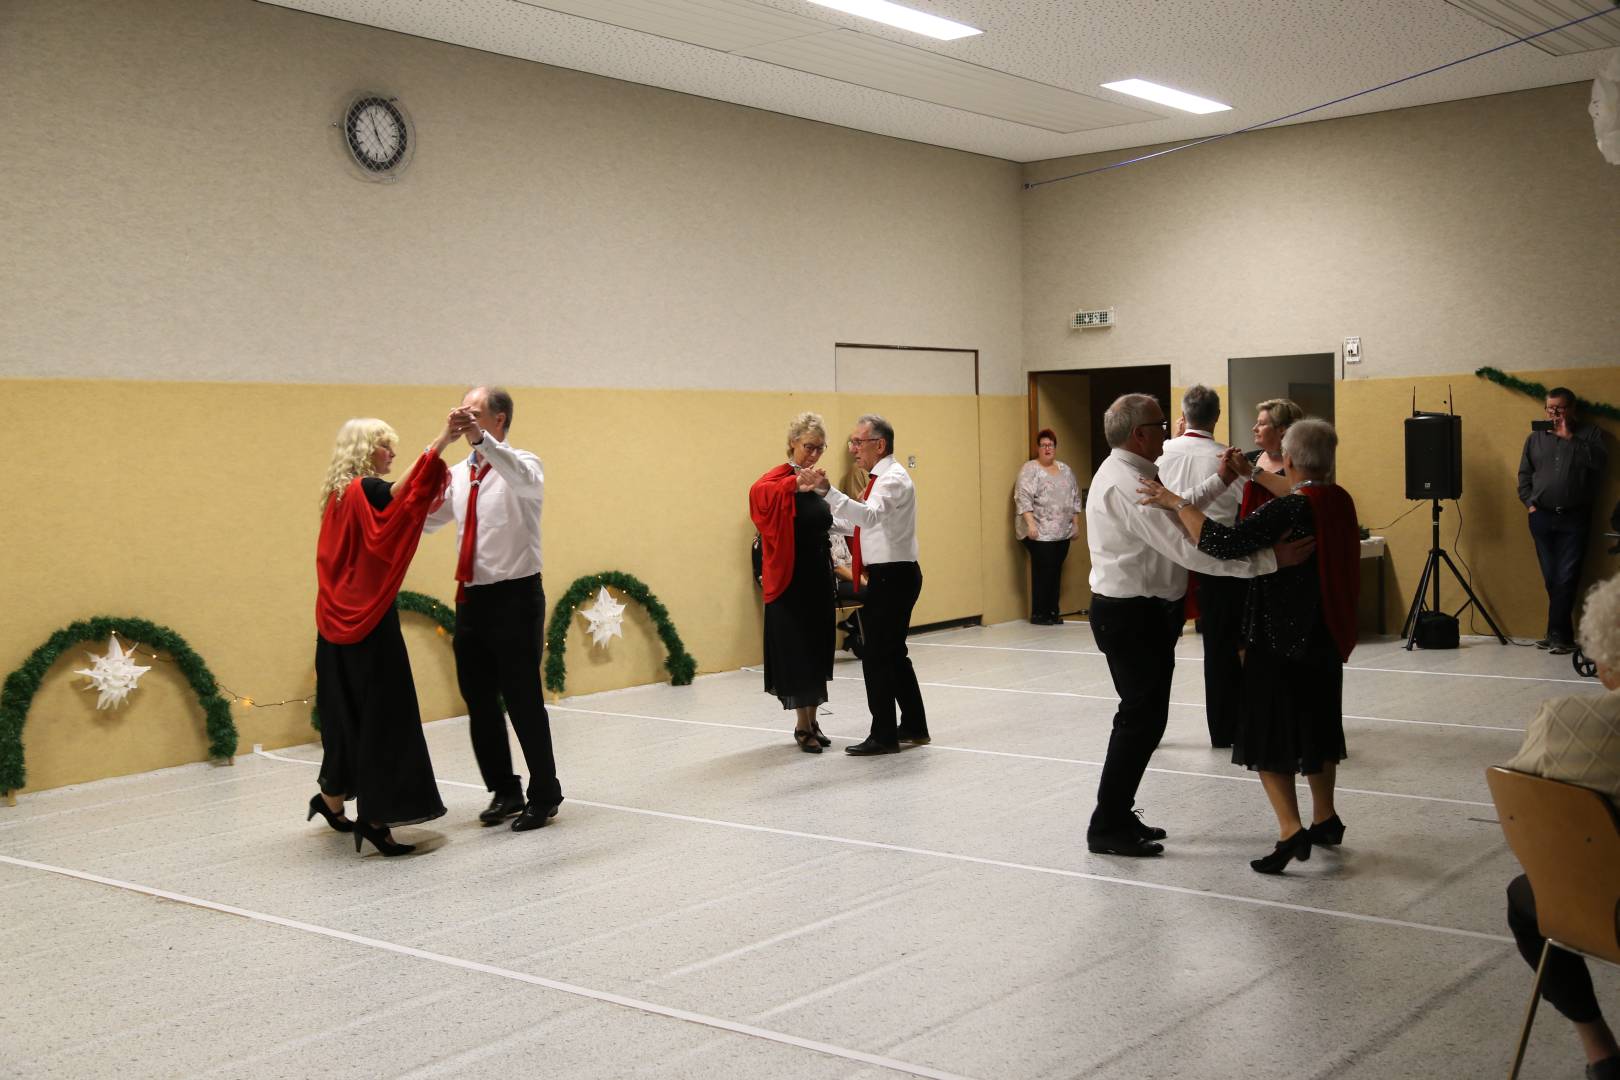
(1297, 846)
(821, 737)
(317, 805)
(807, 741)
(380, 839)
(1329, 833)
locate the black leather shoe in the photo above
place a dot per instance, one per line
(916, 740)
(1123, 842)
(1297, 846)
(1560, 648)
(1544, 643)
(502, 807)
(866, 748)
(1146, 831)
(1329, 833)
(534, 816)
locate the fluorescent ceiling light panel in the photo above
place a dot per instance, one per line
(905, 18)
(1163, 95)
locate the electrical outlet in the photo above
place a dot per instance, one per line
(1352, 350)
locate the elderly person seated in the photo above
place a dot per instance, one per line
(1299, 626)
(1576, 739)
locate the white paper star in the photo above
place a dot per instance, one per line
(115, 674)
(606, 617)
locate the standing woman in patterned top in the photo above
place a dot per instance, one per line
(1299, 626)
(1047, 498)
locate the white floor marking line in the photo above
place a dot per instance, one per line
(1178, 704)
(499, 972)
(1015, 754)
(977, 860)
(1200, 660)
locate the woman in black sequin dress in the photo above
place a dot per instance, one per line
(1299, 626)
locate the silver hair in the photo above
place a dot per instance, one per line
(1599, 632)
(1125, 415)
(1201, 406)
(1312, 444)
(880, 427)
(804, 424)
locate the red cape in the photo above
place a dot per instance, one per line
(363, 553)
(770, 505)
(1254, 497)
(1338, 560)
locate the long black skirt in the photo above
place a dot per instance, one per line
(1293, 712)
(371, 728)
(799, 647)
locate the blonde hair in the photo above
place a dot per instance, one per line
(357, 441)
(1284, 413)
(804, 424)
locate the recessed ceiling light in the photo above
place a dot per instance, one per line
(1176, 99)
(905, 18)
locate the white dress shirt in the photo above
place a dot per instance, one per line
(1141, 550)
(1189, 460)
(887, 518)
(509, 501)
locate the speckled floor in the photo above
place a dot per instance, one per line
(713, 903)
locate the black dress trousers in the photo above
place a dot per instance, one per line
(1220, 620)
(499, 635)
(891, 592)
(1138, 637)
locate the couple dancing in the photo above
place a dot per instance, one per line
(371, 729)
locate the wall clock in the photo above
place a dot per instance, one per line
(379, 136)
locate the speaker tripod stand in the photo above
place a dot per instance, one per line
(1431, 572)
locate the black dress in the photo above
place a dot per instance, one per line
(371, 727)
(799, 623)
(1293, 680)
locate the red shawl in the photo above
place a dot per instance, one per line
(770, 504)
(1254, 497)
(1338, 560)
(363, 553)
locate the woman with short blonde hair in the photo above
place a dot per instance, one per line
(793, 523)
(371, 729)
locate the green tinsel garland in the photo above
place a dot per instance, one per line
(21, 686)
(1536, 390)
(417, 604)
(679, 663)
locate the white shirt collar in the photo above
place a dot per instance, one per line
(1135, 461)
(883, 465)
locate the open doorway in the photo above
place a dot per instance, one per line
(1072, 404)
(1306, 379)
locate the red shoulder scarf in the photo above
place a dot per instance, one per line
(770, 505)
(363, 552)
(1338, 560)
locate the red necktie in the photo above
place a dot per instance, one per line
(855, 541)
(469, 533)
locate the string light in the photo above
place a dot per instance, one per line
(230, 695)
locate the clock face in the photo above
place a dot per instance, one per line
(375, 131)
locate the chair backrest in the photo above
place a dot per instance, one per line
(1567, 838)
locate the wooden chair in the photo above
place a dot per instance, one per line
(1567, 838)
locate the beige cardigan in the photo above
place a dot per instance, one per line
(1577, 740)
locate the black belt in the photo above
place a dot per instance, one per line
(1559, 509)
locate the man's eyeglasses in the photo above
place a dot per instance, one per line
(1162, 425)
(854, 442)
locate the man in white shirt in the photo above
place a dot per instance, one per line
(1139, 561)
(884, 549)
(494, 497)
(1189, 460)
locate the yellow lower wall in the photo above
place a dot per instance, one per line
(193, 505)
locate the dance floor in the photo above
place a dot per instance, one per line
(711, 902)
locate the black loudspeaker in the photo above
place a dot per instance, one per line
(1434, 456)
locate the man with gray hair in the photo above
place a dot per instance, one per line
(1189, 460)
(884, 547)
(494, 497)
(1139, 561)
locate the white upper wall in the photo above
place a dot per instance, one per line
(1479, 232)
(177, 206)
